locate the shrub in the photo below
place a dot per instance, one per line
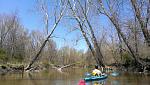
(3, 56)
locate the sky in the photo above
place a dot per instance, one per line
(31, 20)
(23, 8)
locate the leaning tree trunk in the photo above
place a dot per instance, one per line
(115, 22)
(93, 51)
(98, 53)
(44, 43)
(143, 24)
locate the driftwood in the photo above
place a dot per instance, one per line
(59, 69)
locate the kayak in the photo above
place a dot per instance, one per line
(94, 78)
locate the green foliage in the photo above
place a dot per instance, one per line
(127, 58)
(3, 55)
(19, 57)
(46, 64)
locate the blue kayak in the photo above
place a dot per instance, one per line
(95, 78)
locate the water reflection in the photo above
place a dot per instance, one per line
(101, 82)
(71, 77)
(115, 82)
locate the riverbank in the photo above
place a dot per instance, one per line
(20, 68)
(11, 68)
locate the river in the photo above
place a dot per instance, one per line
(70, 77)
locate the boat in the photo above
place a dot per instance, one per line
(95, 78)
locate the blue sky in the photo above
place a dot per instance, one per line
(31, 20)
(24, 9)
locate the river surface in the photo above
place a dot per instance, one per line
(71, 77)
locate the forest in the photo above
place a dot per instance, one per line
(116, 33)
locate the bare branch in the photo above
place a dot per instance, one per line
(44, 43)
(148, 14)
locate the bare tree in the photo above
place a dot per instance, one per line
(112, 15)
(142, 13)
(62, 10)
(43, 8)
(13, 36)
(6, 25)
(96, 52)
(111, 11)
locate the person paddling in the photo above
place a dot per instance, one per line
(96, 72)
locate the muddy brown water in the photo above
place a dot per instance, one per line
(71, 77)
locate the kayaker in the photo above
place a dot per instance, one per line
(96, 72)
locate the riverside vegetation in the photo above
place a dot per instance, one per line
(124, 44)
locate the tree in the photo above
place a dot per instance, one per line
(111, 10)
(142, 12)
(6, 23)
(62, 10)
(12, 37)
(84, 24)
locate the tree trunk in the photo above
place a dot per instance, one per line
(98, 53)
(142, 23)
(44, 43)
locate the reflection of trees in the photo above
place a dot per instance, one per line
(115, 82)
(31, 79)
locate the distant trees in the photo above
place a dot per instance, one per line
(12, 37)
(126, 39)
(19, 46)
(68, 55)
